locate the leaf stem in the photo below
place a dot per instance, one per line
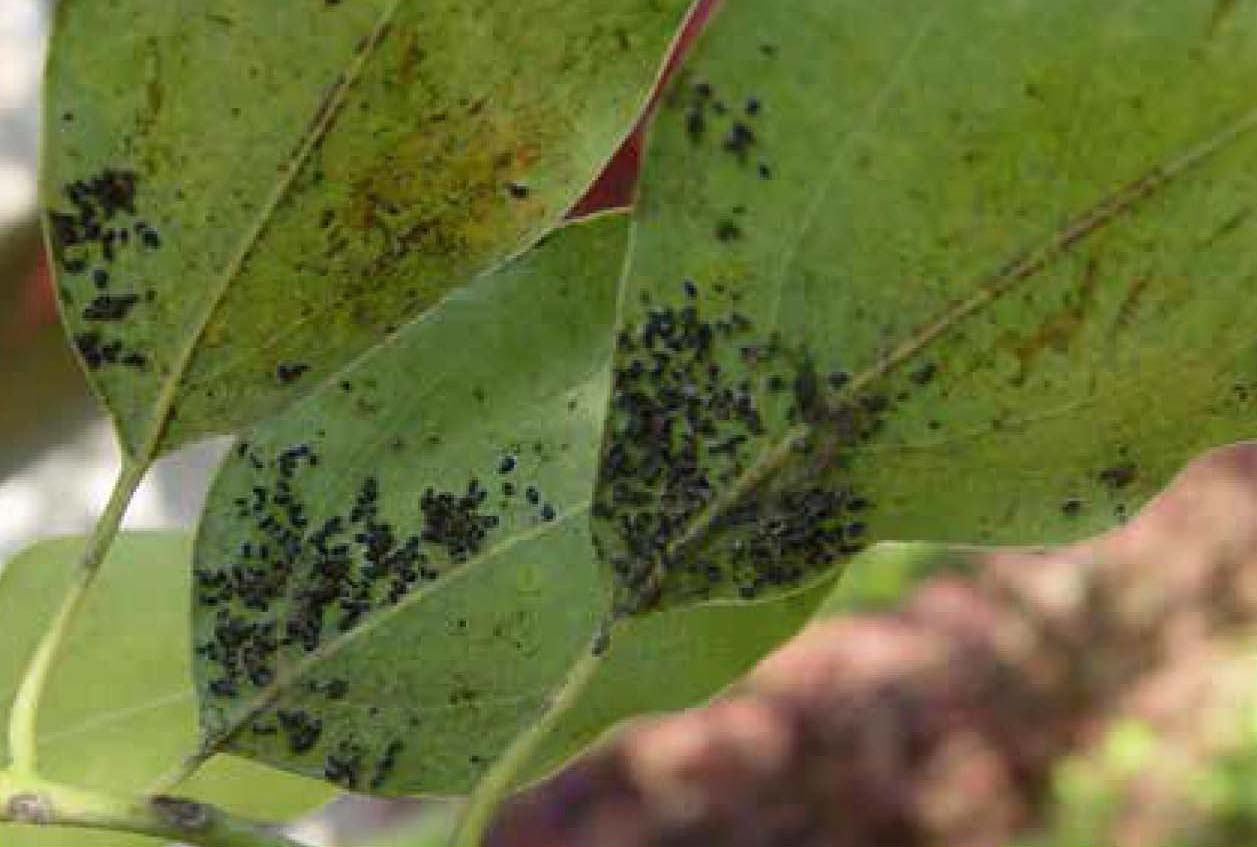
(182, 772)
(25, 709)
(36, 802)
(505, 772)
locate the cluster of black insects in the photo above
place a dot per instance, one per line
(684, 509)
(687, 424)
(345, 763)
(95, 231)
(295, 581)
(704, 108)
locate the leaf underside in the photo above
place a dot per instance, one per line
(953, 271)
(394, 574)
(120, 711)
(241, 197)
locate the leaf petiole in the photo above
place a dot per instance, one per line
(25, 710)
(35, 802)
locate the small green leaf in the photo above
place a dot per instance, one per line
(673, 660)
(394, 574)
(974, 271)
(700, 650)
(243, 196)
(120, 711)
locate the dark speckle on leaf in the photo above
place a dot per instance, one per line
(1119, 475)
(695, 124)
(739, 139)
(289, 372)
(148, 236)
(301, 729)
(108, 307)
(97, 352)
(924, 374)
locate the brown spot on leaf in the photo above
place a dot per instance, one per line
(1058, 328)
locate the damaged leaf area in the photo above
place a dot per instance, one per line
(120, 711)
(394, 574)
(241, 197)
(947, 271)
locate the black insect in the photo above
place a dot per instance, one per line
(288, 372)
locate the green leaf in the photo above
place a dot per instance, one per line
(394, 574)
(241, 197)
(669, 661)
(664, 662)
(882, 576)
(120, 711)
(975, 271)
